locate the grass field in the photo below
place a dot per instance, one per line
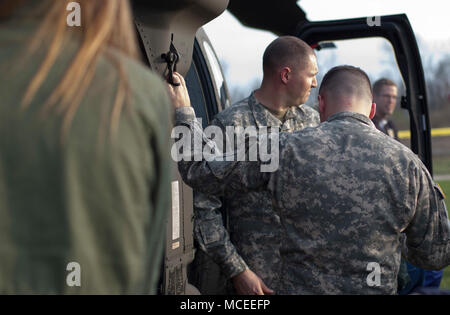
(441, 166)
(445, 185)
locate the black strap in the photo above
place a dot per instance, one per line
(171, 58)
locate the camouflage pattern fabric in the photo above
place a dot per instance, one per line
(253, 237)
(346, 195)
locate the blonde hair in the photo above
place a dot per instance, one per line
(104, 24)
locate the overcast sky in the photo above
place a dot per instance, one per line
(241, 48)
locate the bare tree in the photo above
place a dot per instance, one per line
(239, 92)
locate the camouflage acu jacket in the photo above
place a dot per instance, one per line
(346, 195)
(253, 237)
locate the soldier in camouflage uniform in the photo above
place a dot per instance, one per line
(346, 195)
(252, 242)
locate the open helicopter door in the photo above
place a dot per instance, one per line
(397, 30)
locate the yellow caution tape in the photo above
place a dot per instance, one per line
(437, 132)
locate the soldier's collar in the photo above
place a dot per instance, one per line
(263, 117)
(346, 115)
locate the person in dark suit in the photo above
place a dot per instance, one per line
(385, 96)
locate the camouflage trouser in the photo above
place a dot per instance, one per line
(403, 277)
(205, 275)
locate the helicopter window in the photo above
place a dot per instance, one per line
(217, 74)
(198, 101)
(200, 81)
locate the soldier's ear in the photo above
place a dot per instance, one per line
(373, 110)
(321, 103)
(284, 74)
(322, 108)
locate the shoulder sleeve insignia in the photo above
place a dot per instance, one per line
(439, 190)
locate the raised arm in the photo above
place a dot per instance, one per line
(428, 235)
(220, 170)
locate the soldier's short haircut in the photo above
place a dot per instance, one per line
(346, 80)
(380, 83)
(286, 51)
